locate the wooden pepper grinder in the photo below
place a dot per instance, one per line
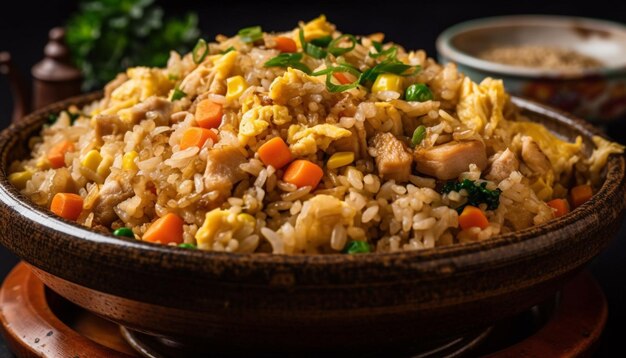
(55, 78)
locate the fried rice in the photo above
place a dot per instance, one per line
(404, 146)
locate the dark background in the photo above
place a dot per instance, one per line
(414, 24)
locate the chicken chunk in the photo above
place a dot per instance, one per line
(393, 159)
(222, 170)
(534, 157)
(447, 161)
(503, 164)
(113, 192)
(108, 124)
(156, 108)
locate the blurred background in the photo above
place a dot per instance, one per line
(415, 24)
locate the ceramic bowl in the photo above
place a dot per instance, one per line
(306, 303)
(594, 94)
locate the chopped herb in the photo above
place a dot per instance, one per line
(389, 53)
(378, 46)
(288, 60)
(418, 136)
(336, 50)
(124, 231)
(178, 94)
(250, 34)
(200, 51)
(418, 92)
(187, 246)
(339, 68)
(231, 48)
(311, 49)
(388, 66)
(357, 247)
(476, 193)
(52, 117)
(322, 41)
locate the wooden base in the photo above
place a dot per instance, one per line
(37, 322)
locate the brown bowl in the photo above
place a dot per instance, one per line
(278, 302)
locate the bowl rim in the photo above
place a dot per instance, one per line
(448, 51)
(467, 256)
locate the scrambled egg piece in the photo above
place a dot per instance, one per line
(314, 29)
(257, 119)
(224, 65)
(482, 104)
(600, 155)
(289, 85)
(305, 141)
(143, 82)
(222, 221)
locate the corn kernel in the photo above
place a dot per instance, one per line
(19, 179)
(246, 218)
(128, 160)
(105, 166)
(91, 160)
(236, 85)
(340, 159)
(387, 82)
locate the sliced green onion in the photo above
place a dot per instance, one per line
(124, 231)
(357, 247)
(250, 34)
(288, 60)
(418, 136)
(389, 53)
(172, 77)
(311, 49)
(200, 51)
(418, 92)
(339, 68)
(52, 118)
(187, 246)
(388, 66)
(378, 46)
(322, 41)
(337, 50)
(178, 94)
(227, 50)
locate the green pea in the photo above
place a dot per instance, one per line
(124, 231)
(418, 136)
(187, 246)
(357, 247)
(418, 92)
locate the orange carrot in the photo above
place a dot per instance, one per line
(342, 78)
(275, 152)
(303, 173)
(285, 44)
(165, 230)
(196, 136)
(578, 195)
(209, 114)
(472, 217)
(56, 155)
(560, 207)
(67, 205)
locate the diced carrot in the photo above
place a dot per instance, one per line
(342, 78)
(303, 173)
(560, 207)
(209, 114)
(285, 44)
(56, 155)
(166, 229)
(472, 217)
(67, 205)
(275, 152)
(578, 195)
(196, 136)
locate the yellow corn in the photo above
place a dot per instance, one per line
(246, 218)
(387, 82)
(91, 160)
(128, 160)
(340, 159)
(105, 166)
(19, 179)
(235, 87)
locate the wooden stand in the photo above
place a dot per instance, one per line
(37, 322)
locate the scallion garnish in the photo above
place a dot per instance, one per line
(322, 41)
(311, 49)
(178, 94)
(336, 50)
(200, 51)
(288, 60)
(389, 53)
(388, 66)
(227, 50)
(250, 34)
(339, 68)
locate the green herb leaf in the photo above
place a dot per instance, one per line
(311, 49)
(288, 60)
(418, 136)
(178, 94)
(200, 51)
(250, 34)
(336, 50)
(477, 194)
